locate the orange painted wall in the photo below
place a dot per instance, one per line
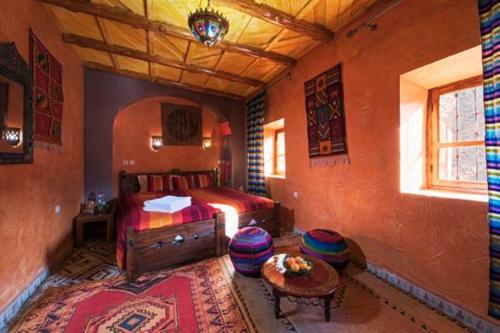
(440, 244)
(132, 131)
(32, 236)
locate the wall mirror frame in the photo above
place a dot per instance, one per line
(16, 70)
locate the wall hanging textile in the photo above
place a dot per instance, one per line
(47, 94)
(326, 119)
(255, 145)
(489, 11)
(181, 125)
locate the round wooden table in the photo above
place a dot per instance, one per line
(321, 283)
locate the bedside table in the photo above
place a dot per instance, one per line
(108, 218)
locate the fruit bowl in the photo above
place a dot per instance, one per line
(297, 265)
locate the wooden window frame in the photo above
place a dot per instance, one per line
(433, 145)
(275, 153)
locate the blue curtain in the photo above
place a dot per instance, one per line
(255, 145)
(489, 11)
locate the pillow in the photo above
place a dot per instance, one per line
(202, 180)
(155, 183)
(168, 183)
(143, 183)
(181, 183)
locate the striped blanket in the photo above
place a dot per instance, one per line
(205, 203)
(241, 202)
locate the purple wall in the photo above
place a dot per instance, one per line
(107, 93)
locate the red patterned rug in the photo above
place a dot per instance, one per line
(189, 299)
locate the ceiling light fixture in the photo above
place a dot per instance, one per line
(208, 26)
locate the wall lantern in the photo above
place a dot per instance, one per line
(156, 142)
(207, 142)
(12, 135)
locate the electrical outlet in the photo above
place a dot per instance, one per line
(58, 209)
(295, 194)
(131, 162)
(125, 162)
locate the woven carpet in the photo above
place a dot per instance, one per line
(221, 300)
(192, 298)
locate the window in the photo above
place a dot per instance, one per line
(279, 152)
(455, 151)
(274, 149)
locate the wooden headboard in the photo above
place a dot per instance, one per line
(128, 182)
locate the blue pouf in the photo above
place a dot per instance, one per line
(327, 245)
(249, 249)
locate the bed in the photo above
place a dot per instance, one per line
(150, 241)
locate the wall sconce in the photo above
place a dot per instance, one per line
(207, 142)
(12, 135)
(156, 142)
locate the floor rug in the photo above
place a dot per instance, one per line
(220, 300)
(188, 299)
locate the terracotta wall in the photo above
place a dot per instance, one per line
(132, 131)
(32, 236)
(107, 93)
(440, 244)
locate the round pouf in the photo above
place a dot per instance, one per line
(327, 245)
(249, 249)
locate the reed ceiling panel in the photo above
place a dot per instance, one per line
(132, 64)
(165, 72)
(262, 68)
(77, 23)
(202, 56)
(90, 55)
(194, 78)
(234, 63)
(168, 47)
(253, 53)
(124, 35)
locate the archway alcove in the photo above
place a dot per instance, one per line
(107, 94)
(133, 127)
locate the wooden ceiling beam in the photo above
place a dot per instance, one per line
(140, 76)
(95, 44)
(279, 18)
(138, 21)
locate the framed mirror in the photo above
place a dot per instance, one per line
(16, 116)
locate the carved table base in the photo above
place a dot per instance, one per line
(277, 300)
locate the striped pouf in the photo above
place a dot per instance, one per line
(327, 245)
(249, 249)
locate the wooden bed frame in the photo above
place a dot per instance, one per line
(159, 248)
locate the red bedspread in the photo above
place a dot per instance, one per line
(205, 203)
(224, 196)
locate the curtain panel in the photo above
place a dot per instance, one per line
(255, 145)
(489, 11)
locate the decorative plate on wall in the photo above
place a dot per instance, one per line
(181, 125)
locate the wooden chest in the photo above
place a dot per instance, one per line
(163, 247)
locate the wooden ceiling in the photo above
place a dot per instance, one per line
(150, 39)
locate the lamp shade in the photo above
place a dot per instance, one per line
(12, 135)
(208, 26)
(156, 142)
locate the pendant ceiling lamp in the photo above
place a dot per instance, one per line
(208, 26)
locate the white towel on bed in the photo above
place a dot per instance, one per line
(167, 204)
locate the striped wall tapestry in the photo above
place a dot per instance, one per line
(255, 145)
(489, 11)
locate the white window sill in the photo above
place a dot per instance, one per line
(276, 176)
(449, 195)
